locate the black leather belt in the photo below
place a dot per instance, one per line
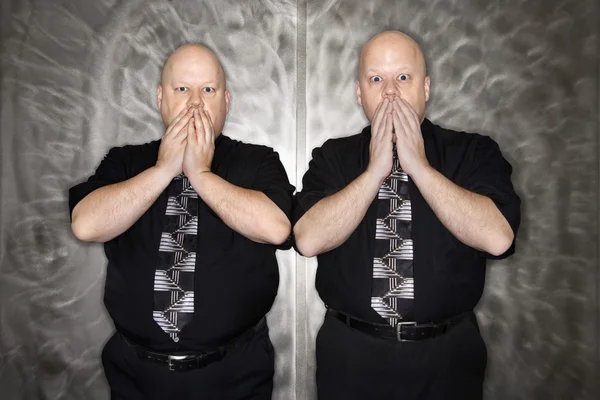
(403, 332)
(194, 360)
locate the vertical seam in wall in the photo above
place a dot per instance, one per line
(597, 313)
(301, 306)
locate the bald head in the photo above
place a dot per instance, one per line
(392, 41)
(392, 66)
(192, 53)
(193, 77)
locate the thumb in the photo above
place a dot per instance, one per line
(191, 132)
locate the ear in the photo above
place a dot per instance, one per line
(426, 88)
(227, 100)
(358, 96)
(159, 96)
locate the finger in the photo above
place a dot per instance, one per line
(200, 131)
(208, 134)
(388, 112)
(376, 113)
(410, 116)
(385, 112)
(183, 132)
(191, 131)
(212, 127)
(398, 125)
(389, 125)
(377, 118)
(402, 120)
(200, 127)
(410, 108)
(181, 123)
(380, 115)
(177, 118)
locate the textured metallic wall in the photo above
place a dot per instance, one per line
(78, 77)
(525, 73)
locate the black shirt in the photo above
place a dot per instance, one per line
(449, 275)
(235, 280)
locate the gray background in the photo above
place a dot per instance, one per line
(78, 77)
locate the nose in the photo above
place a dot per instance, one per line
(195, 100)
(391, 91)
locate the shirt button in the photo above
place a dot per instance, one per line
(176, 339)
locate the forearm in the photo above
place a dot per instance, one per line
(248, 212)
(332, 220)
(472, 218)
(110, 210)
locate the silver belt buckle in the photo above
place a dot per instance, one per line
(399, 326)
(175, 358)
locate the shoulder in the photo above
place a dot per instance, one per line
(452, 141)
(244, 150)
(461, 154)
(346, 145)
(348, 142)
(134, 158)
(451, 137)
(148, 148)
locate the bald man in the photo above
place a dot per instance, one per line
(402, 218)
(190, 224)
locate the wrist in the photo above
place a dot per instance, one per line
(198, 174)
(373, 176)
(200, 180)
(196, 171)
(162, 173)
(422, 173)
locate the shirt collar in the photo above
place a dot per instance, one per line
(219, 139)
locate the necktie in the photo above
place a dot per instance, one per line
(393, 284)
(174, 276)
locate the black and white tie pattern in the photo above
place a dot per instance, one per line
(174, 276)
(392, 294)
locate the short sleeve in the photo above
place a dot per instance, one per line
(112, 169)
(271, 179)
(323, 178)
(490, 176)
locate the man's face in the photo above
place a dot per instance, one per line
(392, 66)
(193, 77)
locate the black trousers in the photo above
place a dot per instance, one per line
(354, 365)
(246, 373)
